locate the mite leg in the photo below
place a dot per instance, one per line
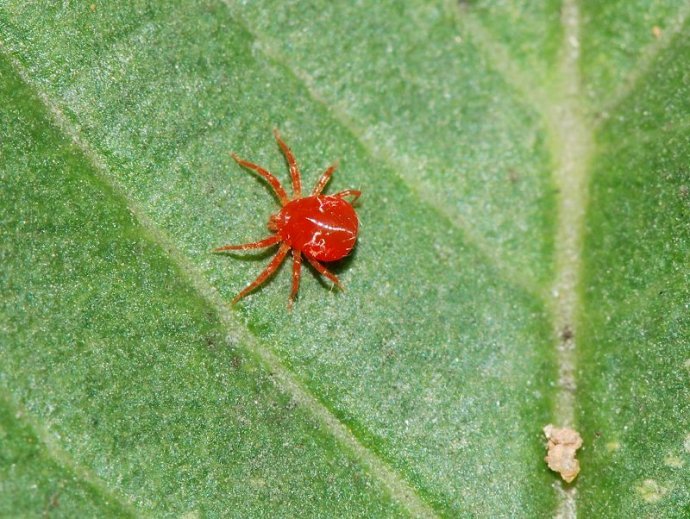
(266, 242)
(272, 267)
(296, 274)
(324, 180)
(292, 163)
(270, 178)
(324, 272)
(349, 192)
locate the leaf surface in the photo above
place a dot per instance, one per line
(523, 259)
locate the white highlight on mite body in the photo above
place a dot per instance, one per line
(328, 227)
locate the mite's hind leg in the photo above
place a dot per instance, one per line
(296, 274)
(270, 269)
(267, 242)
(325, 272)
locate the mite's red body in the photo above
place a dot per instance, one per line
(321, 227)
(317, 227)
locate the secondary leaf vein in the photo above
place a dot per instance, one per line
(647, 56)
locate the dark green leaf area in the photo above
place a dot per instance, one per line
(636, 323)
(500, 147)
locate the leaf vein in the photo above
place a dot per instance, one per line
(647, 57)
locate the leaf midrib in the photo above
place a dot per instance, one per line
(572, 144)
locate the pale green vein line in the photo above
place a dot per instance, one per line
(383, 152)
(398, 487)
(501, 62)
(571, 143)
(646, 61)
(64, 460)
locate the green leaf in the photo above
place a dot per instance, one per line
(523, 259)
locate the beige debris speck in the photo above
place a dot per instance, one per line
(562, 445)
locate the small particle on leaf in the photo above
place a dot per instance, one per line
(651, 491)
(567, 333)
(93, 8)
(562, 445)
(656, 31)
(673, 461)
(613, 446)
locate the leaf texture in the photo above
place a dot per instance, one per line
(523, 259)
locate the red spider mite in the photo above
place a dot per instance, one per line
(317, 227)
